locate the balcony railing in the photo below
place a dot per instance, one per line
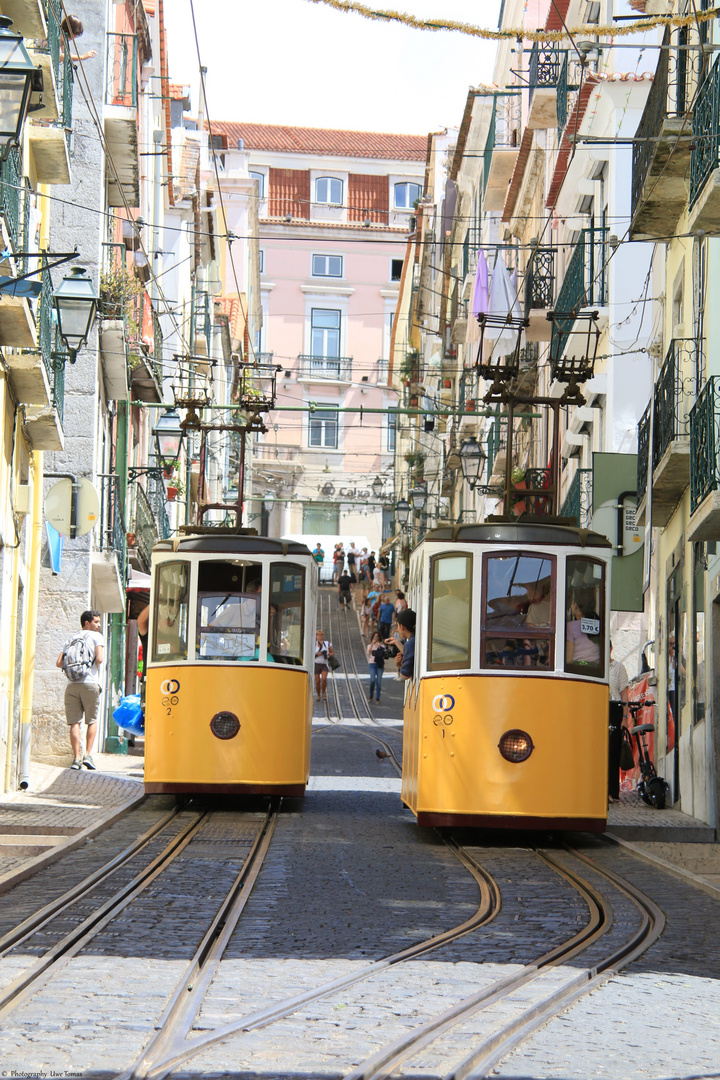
(584, 284)
(544, 66)
(273, 452)
(643, 453)
(561, 101)
(504, 130)
(151, 521)
(705, 443)
(382, 368)
(10, 193)
(578, 501)
(675, 393)
(540, 278)
(705, 132)
(337, 368)
(60, 59)
(121, 78)
(155, 492)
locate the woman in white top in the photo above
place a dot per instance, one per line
(323, 649)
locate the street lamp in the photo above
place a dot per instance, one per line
(402, 512)
(377, 487)
(75, 303)
(18, 78)
(168, 436)
(472, 457)
(268, 501)
(418, 498)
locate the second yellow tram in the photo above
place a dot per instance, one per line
(506, 718)
(228, 696)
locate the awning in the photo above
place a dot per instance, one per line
(389, 544)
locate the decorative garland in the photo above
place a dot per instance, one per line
(519, 32)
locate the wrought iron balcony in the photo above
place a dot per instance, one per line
(704, 158)
(151, 521)
(336, 368)
(643, 454)
(544, 68)
(675, 394)
(705, 463)
(578, 501)
(501, 149)
(584, 284)
(540, 279)
(661, 152)
(121, 78)
(10, 192)
(561, 101)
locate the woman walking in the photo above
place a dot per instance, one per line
(323, 649)
(376, 663)
(365, 614)
(401, 603)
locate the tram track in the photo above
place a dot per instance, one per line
(507, 1035)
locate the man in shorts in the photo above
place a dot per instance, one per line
(82, 697)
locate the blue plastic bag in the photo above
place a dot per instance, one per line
(129, 715)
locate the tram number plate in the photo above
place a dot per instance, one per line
(442, 721)
(170, 690)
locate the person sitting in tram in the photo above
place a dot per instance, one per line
(582, 644)
(540, 605)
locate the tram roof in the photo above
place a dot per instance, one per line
(521, 532)
(233, 545)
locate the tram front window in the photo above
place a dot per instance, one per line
(170, 634)
(585, 617)
(229, 610)
(287, 596)
(449, 645)
(518, 611)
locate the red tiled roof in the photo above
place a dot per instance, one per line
(556, 14)
(298, 140)
(177, 91)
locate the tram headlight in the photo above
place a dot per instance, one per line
(516, 745)
(225, 725)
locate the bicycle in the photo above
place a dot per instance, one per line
(652, 789)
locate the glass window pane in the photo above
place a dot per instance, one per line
(171, 611)
(585, 617)
(260, 177)
(228, 616)
(450, 607)
(287, 588)
(334, 265)
(518, 611)
(325, 317)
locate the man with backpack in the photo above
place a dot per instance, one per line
(81, 659)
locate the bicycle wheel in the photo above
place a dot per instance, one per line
(657, 791)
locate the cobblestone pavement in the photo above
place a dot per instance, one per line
(348, 880)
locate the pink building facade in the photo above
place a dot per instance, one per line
(335, 211)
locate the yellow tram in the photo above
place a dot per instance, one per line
(228, 696)
(506, 718)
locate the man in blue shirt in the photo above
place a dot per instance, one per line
(385, 616)
(405, 660)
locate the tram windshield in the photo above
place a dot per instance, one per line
(287, 596)
(170, 635)
(229, 610)
(585, 617)
(518, 629)
(449, 645)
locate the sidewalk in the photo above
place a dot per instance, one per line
(62, 809)
(670, 840)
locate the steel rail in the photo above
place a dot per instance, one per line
(488, 908)
(182, 1009)
(484, 1057)
(31, 980)
(386, 1060)
(45, 914)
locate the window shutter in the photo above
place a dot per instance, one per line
(289, 193)
(368, 197)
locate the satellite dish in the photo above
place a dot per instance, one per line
(65, 497)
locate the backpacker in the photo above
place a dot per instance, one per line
(78, 658)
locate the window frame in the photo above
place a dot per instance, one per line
(324, 329)
(283, 567)
(329, 180)
(580, 668)
(402, 264)
(261, 179)
(540, 633)
(170, 657)
(435, 560)
(409, 206)
(326, 273)
(314, 418)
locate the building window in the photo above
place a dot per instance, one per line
(329, 190)
(406, 195)
(396, 266)
(391, 429)
(260, 177)
(327, 265)
(261, 261)
(325, 332)
(323, 428)
(449, 637)
(321, 519)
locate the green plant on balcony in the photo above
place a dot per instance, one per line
(120, 292)
(415, 460)
(410, 367)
